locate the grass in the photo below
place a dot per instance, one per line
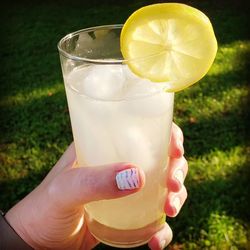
(213, 114)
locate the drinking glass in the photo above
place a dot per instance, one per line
(117, 116)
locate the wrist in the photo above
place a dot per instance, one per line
(13, 218)
(9, 238)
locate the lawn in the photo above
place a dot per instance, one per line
(35, 126)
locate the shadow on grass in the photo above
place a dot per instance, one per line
(32, 30)
(217, 133)
(37, 122)
(30, 58)
(34, 135)
(16, 189)
(221, 130)
(229, 196)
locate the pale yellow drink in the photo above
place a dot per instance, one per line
(118, 117)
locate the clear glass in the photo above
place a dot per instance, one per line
(117, 117)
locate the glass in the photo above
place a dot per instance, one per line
(117, 117)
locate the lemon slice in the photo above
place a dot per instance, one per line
(169, 42)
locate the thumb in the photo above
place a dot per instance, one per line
(81, 185)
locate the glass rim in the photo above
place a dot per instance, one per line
(85, 59)
(109, 61)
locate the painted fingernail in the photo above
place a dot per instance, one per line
(176, 204)
(128, 179)
(162, 244)
(179, 176)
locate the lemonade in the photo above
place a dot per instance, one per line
(122, 119)
(120, 83)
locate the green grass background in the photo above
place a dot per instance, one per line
(35, 126)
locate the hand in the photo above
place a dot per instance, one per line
(51, 216)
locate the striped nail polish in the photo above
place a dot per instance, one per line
(127, 179)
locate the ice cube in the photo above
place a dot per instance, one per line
(92, 141)
(140, 88)
(132, 145)
(103, 82)
(153, 105)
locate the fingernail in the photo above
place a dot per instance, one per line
(176, 204)
(162, 244)
(128, 179)
(179, 176)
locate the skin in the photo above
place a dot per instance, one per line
(52, 215)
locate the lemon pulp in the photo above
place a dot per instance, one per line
(169, 42)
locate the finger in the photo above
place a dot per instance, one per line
(175, 201)
(89, 241)
(161, 239)
(67, 159)
(84, 184)
(176, 148)
(177, 172)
